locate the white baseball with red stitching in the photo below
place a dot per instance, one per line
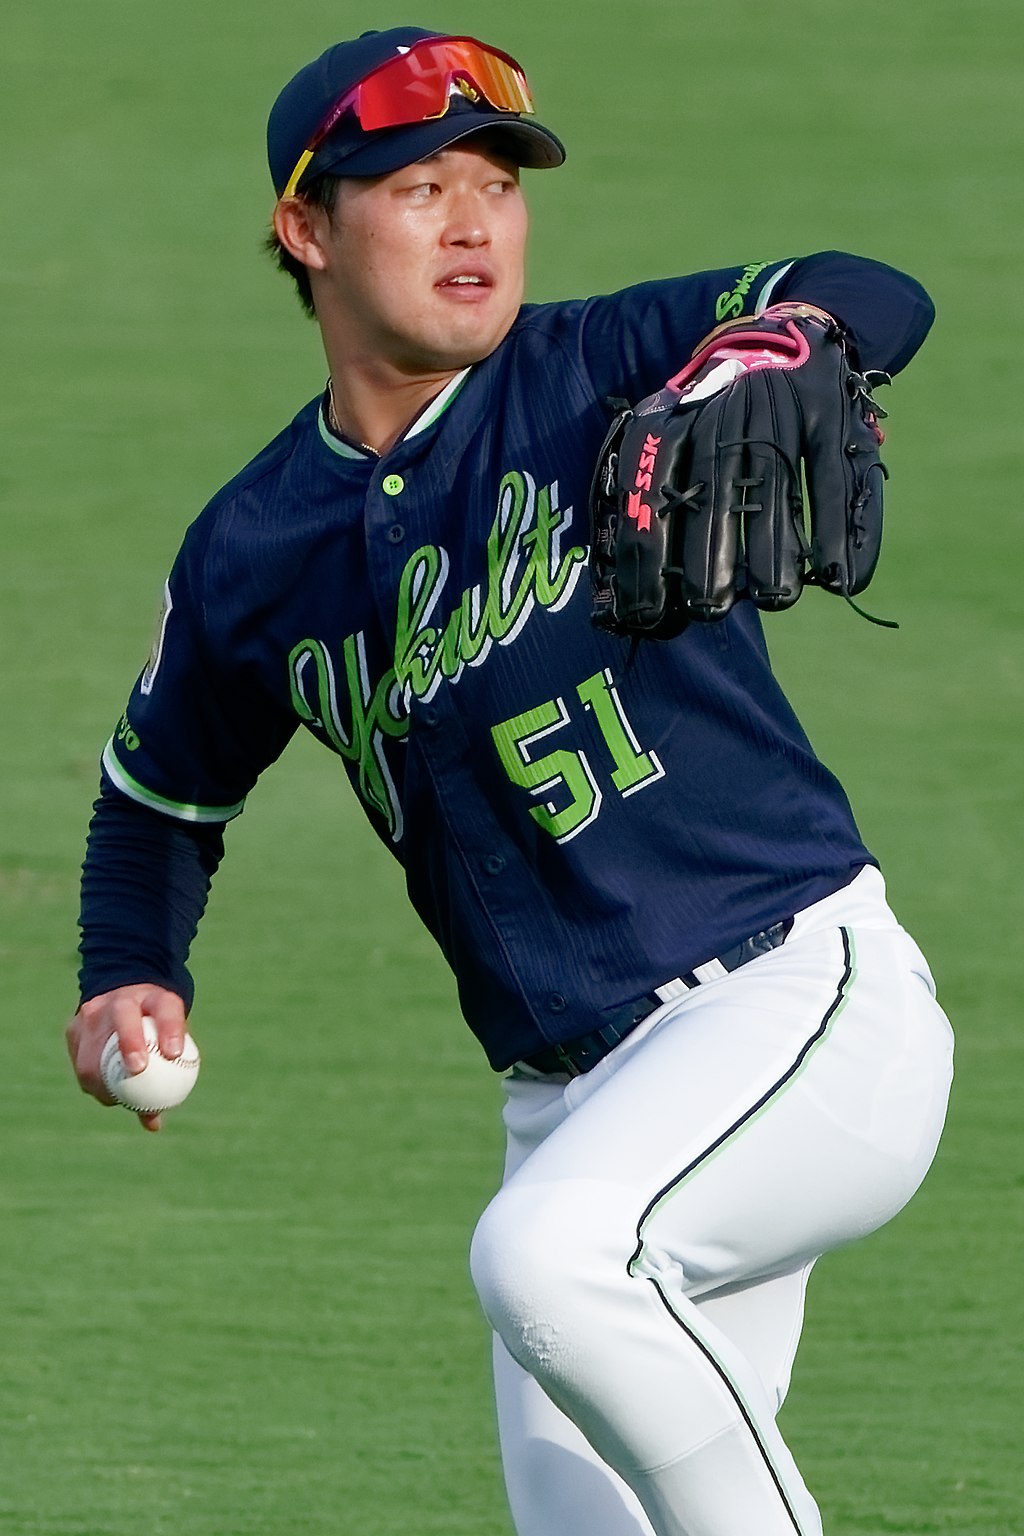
(164, 1082)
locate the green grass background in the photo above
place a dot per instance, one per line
(260, 1321)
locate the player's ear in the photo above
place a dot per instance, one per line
(302, 229)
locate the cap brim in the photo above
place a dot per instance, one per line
(389, 149)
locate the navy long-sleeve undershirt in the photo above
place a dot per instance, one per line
(145, 881)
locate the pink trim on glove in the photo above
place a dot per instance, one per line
(748, 350)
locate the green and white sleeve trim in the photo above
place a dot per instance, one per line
(764, 297)
(143, 796)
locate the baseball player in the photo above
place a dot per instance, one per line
(722, 1053)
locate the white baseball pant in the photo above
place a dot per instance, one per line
(644, 1264)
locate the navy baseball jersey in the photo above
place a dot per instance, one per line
(579, 818)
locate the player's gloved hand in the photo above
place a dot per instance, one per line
(698, 494)
(120, 1012)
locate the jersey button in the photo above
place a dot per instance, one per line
(392, 485)
(395, 534)
(556, 1002)
(429, 715)
(494, 864)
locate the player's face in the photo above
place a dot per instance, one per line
(424, 268)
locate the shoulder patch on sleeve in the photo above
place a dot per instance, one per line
(157, 651)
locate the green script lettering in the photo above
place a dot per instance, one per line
(525, 569)
(729, 305)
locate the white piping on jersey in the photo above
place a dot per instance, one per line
(425, 419)
(769, 288)
(440, 402)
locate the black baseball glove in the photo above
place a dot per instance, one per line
(698, 496)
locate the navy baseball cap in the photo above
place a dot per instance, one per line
(417, 101)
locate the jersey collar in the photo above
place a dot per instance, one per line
(346, 449)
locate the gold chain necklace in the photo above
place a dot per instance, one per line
(335, 424)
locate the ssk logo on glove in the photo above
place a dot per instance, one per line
(636, 507)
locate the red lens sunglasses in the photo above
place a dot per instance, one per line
(415, 86)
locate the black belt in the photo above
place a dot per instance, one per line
(584, 1052)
